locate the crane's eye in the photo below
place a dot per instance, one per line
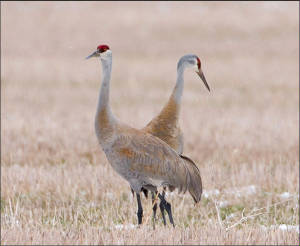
(102, 49)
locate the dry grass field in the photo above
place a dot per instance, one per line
(57, 186)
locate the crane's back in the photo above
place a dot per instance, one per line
(166, 127)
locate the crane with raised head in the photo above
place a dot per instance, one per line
(142, 159)
(166, 125)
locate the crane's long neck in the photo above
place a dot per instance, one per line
(104, 121)
(103, 102)
(170, 113)
(178, 89)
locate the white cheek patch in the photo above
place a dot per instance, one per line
(106, 54)
(196, 67)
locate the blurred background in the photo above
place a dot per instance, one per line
(244, 132)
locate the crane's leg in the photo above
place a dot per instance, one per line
(162, 206)
(140, 209)
(167, 206)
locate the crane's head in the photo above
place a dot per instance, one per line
(194, 62)
(102, 51)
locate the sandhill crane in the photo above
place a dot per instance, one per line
(165, 125)
(142, 159)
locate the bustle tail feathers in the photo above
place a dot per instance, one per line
(195, 182)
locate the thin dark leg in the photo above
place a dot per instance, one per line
(167, 206)
(162, 209)
(162, 206)
(169, 211)
(140, 209)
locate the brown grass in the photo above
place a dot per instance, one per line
(56, 184)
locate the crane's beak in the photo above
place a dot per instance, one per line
(92, 55)
(201, 75)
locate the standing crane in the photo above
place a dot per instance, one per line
(166, 126)
(142, 159)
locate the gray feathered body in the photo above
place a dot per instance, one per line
(146, 161)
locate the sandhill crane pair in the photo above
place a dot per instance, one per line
(150, 157)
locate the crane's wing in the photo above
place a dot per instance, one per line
(195, 186)
(151, 158)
